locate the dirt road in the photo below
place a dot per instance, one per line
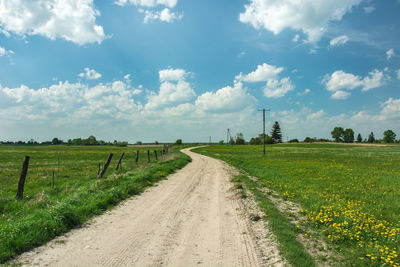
(193, 218)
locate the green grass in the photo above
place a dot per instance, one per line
(46, 212)
(350, 194)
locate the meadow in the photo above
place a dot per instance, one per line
(349, 194)
(47, 211)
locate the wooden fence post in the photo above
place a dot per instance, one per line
(155, 154)
(119, 162)
(52, 181)
(21, 183)
(98, 170)
(148, 155)
(137, 157)
(105, 166)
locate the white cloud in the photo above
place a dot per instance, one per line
(2, 51)
(263, 73)
(310, 16)
(274, 87)
(72, 20)
(172, 74)
(389, 54)
(5, 52)
(278, 88)
(340, 95)
(173, 90)
(225, 100)
(340, 40)
(390, 109)
(164, 15)
(74, 101)
(147, 3)
(316, 115)
(340, 81)
(369, 9)
(306, 91)
(312, 51)
(90, 74)
(296, 38)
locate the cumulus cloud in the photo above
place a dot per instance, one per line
(172, 74)
(274, 87)
(340, 81)
(340, 40)
(164, 15)
(173, 89)
(389, 54)
(90, 74)
(147, 3)
(306, 91)
(309, 16)
(278, 88)
(224, 100)
(5, 52)
(72, 20)
(71, 100)
(340, 95)
(296, 38)
(263, 73)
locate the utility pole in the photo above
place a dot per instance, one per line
(263, 110)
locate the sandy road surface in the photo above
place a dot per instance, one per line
(193, 218)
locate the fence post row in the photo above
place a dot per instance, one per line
(105, 166)
(21, 183)
(155, 154)
(137, 157)
(119, 162)
(148, 155)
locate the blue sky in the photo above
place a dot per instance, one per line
(146, 70)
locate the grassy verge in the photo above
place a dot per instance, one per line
(53, 212)
(349, 194)
(286, 233)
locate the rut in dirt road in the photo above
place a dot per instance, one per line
(193, 218)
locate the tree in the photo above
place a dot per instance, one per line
(348, 135)
(389, 136)
(371, 138)
(255, 141)
(359, 138)
(231, 141)
(56, 141)
(240, 139)
(221, 142)
(178, 142)
(276, 134)
(338, 134)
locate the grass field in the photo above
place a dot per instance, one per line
(350, 194)
(46, 212)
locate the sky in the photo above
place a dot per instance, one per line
(147, 70)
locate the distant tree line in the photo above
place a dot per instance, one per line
(347, 136)
(339, 135)
(90, 141)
